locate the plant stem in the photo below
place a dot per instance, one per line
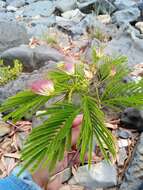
(98, 98)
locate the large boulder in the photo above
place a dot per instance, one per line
(126, 15)
(16, 3)
(99, 6)
(128, 43)
(7, 16)
(12, 35)
(42, 8)
(120, 4)
(64, 5)
(32, 58)
(89, 22)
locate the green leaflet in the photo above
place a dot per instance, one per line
(22, 103)
(53, 139)
(93, 124)
(50, 140)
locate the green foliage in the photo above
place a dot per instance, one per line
(8, 73)
(99, 85)
(51, 40)
(98, 34)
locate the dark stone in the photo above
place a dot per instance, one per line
(32, 58)
(132, 118)
(87, 7)
(99, 6)
(6, 16)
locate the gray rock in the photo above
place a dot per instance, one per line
(122, 156)
(120, 4)
(64, 24)
(2, 10)
(9, 1)
(2, 4)
(37, 30)
(104, 7)
(40, 26)
(99, 6)
(7, 16)
(74, 15)
(12, 35)
(89, 22)
(125, 16)
(4, 129)
(64, 5)
(64, 175)
(140, 6)
(87, 6)
(124, 134)
(30, 1)
(32, 58)
(21, 138)
(127, 43)
(95, 177)
(46, 21)
(134, 175)
(17, 3)
(23, 82)
(37, 121)
(42, 8)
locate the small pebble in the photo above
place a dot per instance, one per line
(124, 134)
(123, 143)
(122, 156)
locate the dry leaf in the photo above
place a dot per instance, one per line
(33, 42)
(12, 155)
(111, 126)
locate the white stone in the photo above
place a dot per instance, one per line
(11, 8)
(123, 143)
(139, 25)
(75, 15)
(95, 177)
(105, 19)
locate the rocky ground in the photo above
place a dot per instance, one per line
(41, 33)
